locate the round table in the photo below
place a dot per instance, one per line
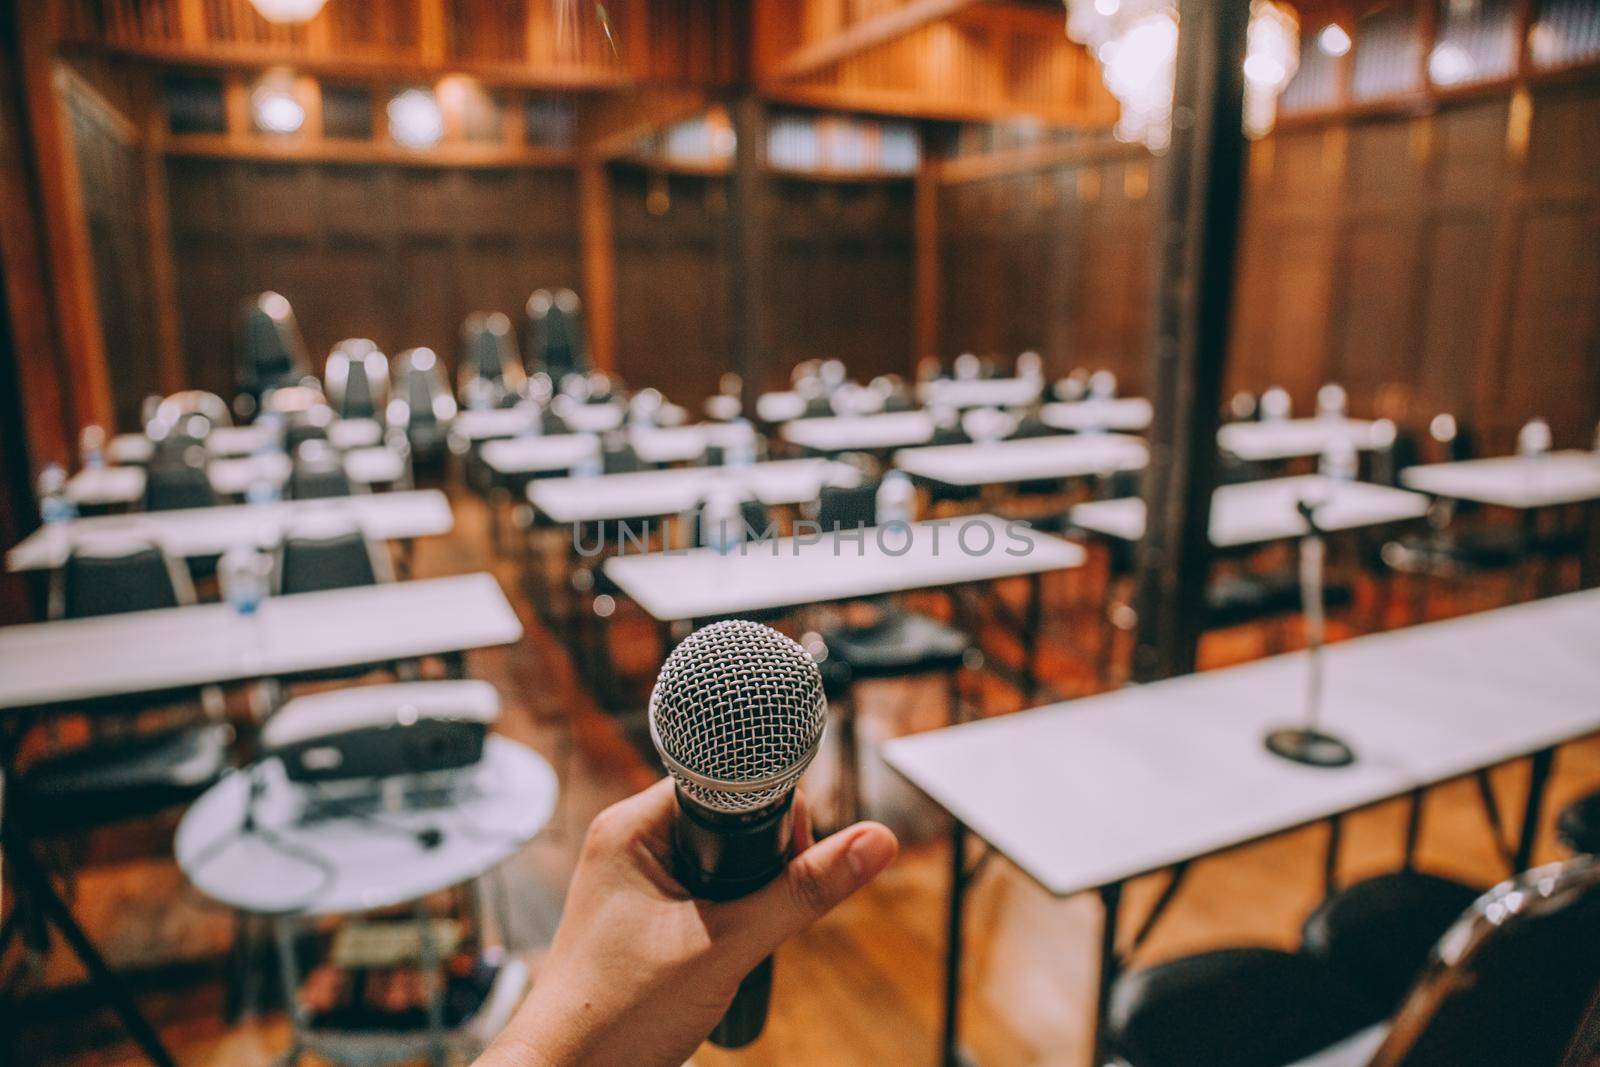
(349, 863)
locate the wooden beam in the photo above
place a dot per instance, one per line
(599, 261)
(750, 236)
(925, 229)
(1197, 233)
(158, 237)
(24, 267)
(860, 36)
(66, 229)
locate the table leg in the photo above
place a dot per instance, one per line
(1030, 637)
(950, 1042)
(1538, 777)
(283, 932)
(26, 870)
(1110, 966)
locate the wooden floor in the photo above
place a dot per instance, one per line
(862, 987)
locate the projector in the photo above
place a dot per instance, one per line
(382, 731)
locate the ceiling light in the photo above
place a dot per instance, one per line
(288, 11)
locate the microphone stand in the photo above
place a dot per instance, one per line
(1308, 744)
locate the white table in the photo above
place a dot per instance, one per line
(684, 444)
(484, 424)
(538, 454)
(200, 532)
(123, 485)
(1257, 512)
(594, 418)
(1278, 439)
(1089, 794)
(648, 494)
(797, 571)
(780, 407)
(1025, 459)
(343, 864)
(981, 392)
(233, 441)
(1521, 482)
(845, 433)
(1130, 414)
(63, 662)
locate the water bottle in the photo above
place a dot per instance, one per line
(589, 465)
(722, 521)
(1534, 438)
(1332, 401)
(896, 500)
(242, 572)
(741, 447)
(92, 447)
(533, 419)
(55, 507)
(1339, 460)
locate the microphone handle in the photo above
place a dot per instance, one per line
(719, 856)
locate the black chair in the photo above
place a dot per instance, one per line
(180, 482)
(121, 773)
(423, 404)
(895, 644)
(555, 329)
(318, 473)
(753, 513)
(490, 369)
(356, 379)
(1508, 980)
(1237, 1007)
(1376, 934)
(319, 556)
(1512, 980)
(269, 349)
(617, 455)
(1578, 825)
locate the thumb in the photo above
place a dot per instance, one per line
(814, 882)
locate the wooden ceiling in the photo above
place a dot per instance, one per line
(946, 59)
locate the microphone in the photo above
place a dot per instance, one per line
(736, 714)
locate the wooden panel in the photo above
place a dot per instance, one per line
(1553, 367)
(398, 254)
(525, 42)
(111, 171)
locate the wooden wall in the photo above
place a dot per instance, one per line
(1438, 262)
(400, 254)
(110, 164)
(842, 280)
(1057, 261)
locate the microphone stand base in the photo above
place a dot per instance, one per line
(1310, 747)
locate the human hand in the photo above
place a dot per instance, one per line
(639, 971)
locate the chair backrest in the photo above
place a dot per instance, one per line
(114, 577)
(419, 384)
(555, 329)
(753, 513)
(318, 472)
(617, 455)
(172, 410)
(270, 349)
(180, 481)
(1511, 981)
(847, 507)
(357, 379)
(489, 357)
(330, 555)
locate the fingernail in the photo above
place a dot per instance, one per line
(870, 852)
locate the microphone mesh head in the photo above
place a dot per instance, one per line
(737, 713)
